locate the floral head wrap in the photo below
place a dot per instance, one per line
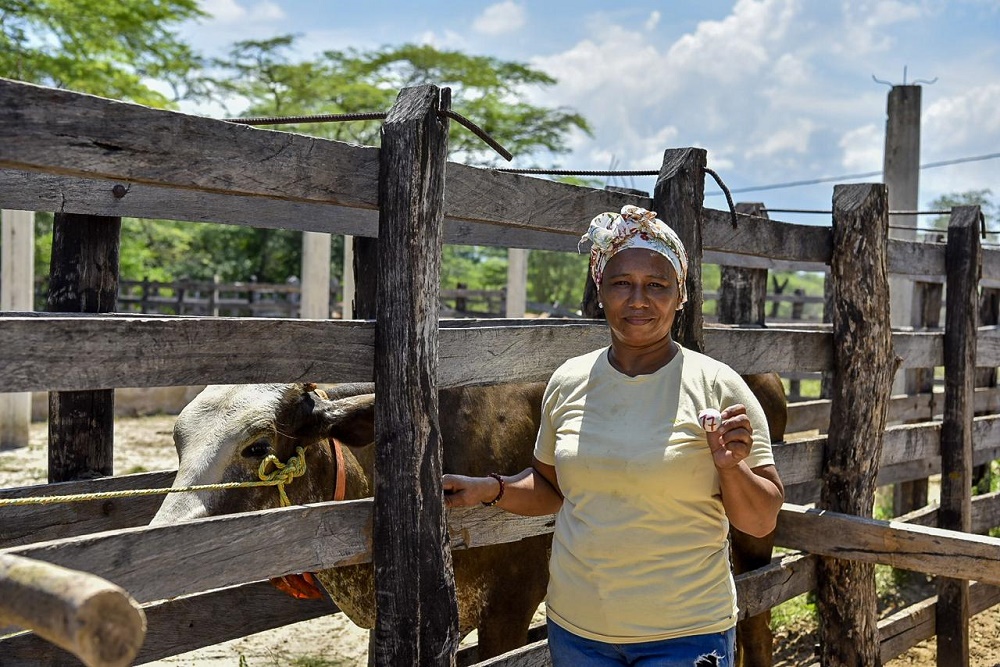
(635, 227)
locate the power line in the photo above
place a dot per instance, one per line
(850, 177)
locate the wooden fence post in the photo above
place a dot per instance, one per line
(963, 260)
(365, 277)
(417, 616)
(864, 365)
(743, 292)
(83, 278)
(678, 199)
(17, 293)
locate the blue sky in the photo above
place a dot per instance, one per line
(775, 90)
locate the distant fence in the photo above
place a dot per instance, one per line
(253, 299)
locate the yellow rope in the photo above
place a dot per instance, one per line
(281, 475)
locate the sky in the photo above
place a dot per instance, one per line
(776, 91)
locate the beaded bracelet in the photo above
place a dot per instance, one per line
(499, 479)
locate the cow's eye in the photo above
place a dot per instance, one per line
(257, 450)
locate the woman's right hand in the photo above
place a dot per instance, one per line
(465, 491)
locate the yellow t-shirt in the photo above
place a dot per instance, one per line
(641, 548)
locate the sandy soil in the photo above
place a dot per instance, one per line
(144, 444)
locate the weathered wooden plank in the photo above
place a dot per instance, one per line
(43, 353)
(47, 353)
(189, 622)
(912, 625)
(222, 551)
(769, 238)
(416, 618)
(985, 513)
(36, 191)
(786, 577)
(62, 132)
(916, 258)
(963, 260)
(27, 524)
(535, 654)
(917, 548)
(912, 446)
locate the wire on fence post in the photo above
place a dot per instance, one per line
(725, 190)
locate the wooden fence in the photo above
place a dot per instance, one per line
(96, 159)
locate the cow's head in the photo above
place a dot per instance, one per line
(227, 431)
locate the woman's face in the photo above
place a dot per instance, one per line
(640, 296)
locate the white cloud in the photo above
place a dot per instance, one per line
(501, 18)
(739, 45)
(446, 40)
(231, 11)
(963, 124)
(862, 148)
(791, 138)
(653, 20)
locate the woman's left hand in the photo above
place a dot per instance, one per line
(731, 442)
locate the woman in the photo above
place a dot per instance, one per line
(639, 572)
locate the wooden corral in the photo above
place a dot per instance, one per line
(82, 155)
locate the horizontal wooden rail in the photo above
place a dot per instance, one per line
(222, 551)
(43, 352)
(190, 622)
(904, 546)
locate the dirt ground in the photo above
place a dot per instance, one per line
(144, 444)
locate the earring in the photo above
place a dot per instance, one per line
(600, 305)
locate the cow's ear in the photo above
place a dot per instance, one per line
(350, 420)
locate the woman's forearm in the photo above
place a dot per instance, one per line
(528, 493)
(752, 498)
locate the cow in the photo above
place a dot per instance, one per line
(227, 431)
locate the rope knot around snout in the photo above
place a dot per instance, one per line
(283, 473)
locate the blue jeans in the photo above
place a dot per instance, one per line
(712, 650)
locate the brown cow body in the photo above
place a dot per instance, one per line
(226, 431)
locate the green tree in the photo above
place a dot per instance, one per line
(262, 75)
(982, 198)
(123, 49)
(114, 48)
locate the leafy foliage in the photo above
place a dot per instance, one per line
(114, 48)
(484, 89)
(981, 198)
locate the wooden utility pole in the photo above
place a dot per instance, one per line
(83, 278)
(901, 174)
(17, 293)
(416, 613)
